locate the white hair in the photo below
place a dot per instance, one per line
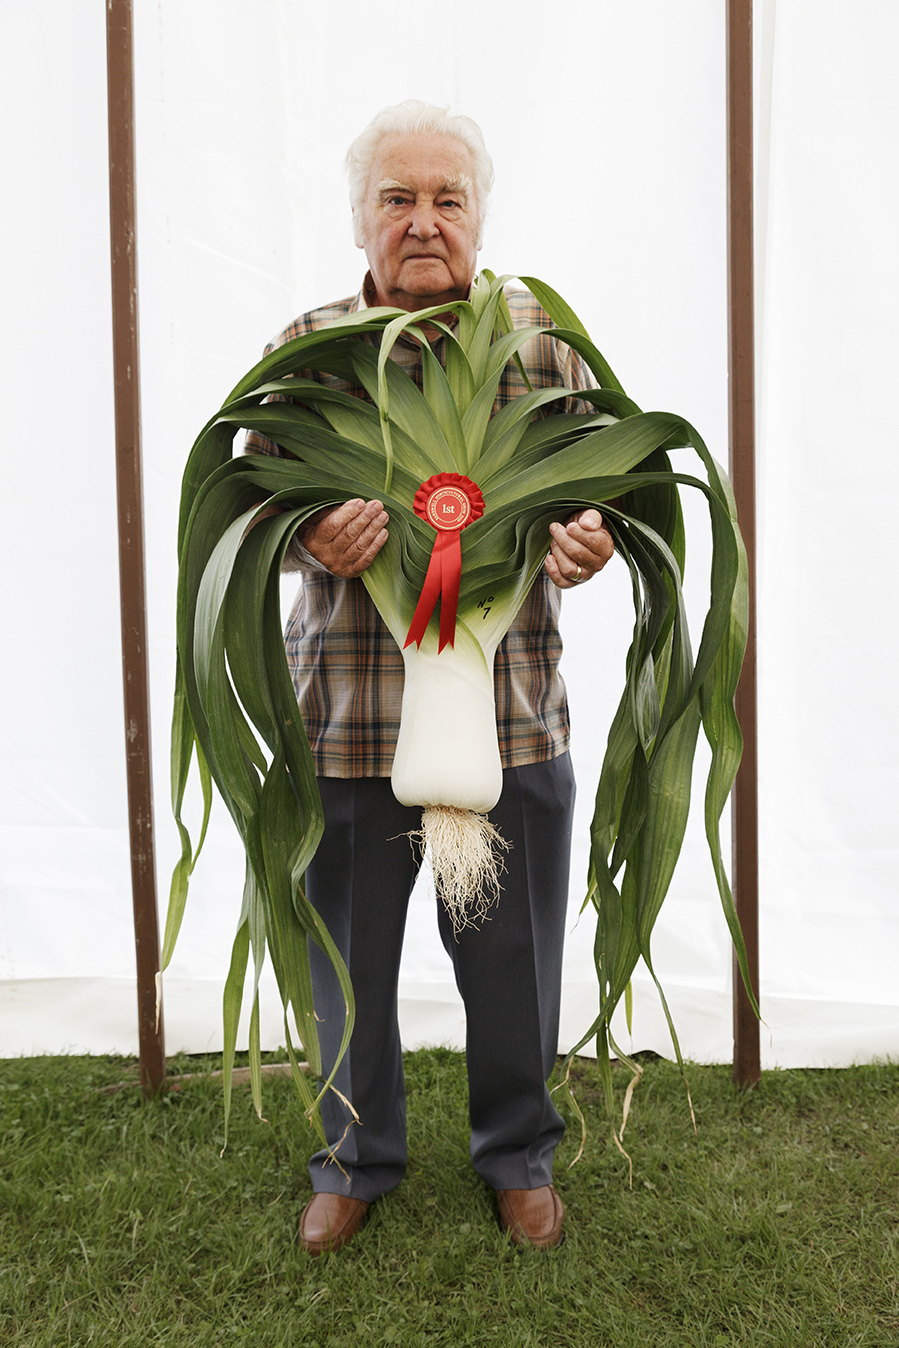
(409, 119)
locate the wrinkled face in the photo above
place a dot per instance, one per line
(419, 221)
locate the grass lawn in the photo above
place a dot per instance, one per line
(776, 1223)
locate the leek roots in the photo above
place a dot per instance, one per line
(465, 854)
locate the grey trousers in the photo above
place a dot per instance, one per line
(508, 972)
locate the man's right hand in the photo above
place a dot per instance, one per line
(346, 539)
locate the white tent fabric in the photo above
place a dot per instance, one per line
(608, 136)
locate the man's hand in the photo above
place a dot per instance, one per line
(346, 539)
(579, 549)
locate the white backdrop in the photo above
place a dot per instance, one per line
(608, 136)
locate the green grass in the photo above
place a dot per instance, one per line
(776, 1223)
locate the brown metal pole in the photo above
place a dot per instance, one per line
(120, 76)
(741, 365)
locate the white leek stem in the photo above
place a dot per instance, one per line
(447, 760)
(447, 752)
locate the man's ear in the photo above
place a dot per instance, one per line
(357, 229)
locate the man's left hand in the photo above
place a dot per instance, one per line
(579, 549)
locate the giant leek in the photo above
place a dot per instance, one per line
(235, 703)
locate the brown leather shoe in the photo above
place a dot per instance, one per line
(531, 1216)
(329, 1221)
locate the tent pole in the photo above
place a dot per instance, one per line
(120, 78)
(741, 400)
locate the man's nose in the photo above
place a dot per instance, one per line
(423, 224)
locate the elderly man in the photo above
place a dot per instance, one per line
(419, 182)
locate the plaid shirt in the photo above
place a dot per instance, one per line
(347, 669)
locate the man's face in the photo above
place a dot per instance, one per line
(420, 220)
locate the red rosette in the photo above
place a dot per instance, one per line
(448, 502)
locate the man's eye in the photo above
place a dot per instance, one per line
(455, 205)
(396, 201)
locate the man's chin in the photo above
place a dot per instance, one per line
(426, 276)
(422, 287)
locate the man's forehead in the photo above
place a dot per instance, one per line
(424, 163)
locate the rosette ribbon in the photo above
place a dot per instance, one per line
(448, 502)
